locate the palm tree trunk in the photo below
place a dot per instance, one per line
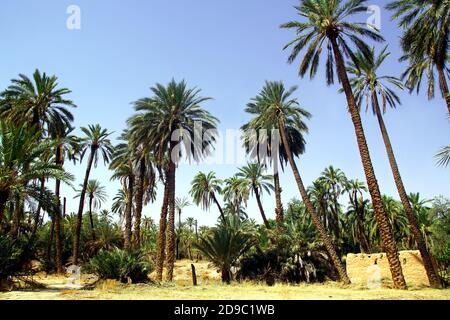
(278, 204)
(312, 212)
(444, 87)
(380, 214)
(76, 239)
(128, 213)
(261, 209)
(91, 220)
(139, 203)
(218, 206)
(171, 238)
(48, 253)
(421, 244)
(58, 243)
(226, 278)
(161, 253)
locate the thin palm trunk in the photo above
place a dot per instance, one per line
(381, 217)
(261, 209)
(48, 253)
(139, 203)
(76, 241)
(3, 199)
(222, 215)
(444, 86)
(58, 243)
(128, 213)
(312, 212)
(91, 220)
(171, 236)
(278, 204)
(421, 244)
(161, 253)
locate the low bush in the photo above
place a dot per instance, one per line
(121, 265)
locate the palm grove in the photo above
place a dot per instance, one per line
(307, 238)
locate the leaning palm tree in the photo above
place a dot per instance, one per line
(258, 182)
(96, 196)
(276, 107)
(328, 22)
(368, 85)
(225, 244)
(424, 42)
(204, 188)
(174, 112)
(96, 142)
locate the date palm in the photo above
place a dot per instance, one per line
(96, 142)
(180, 204)
(424, 42)
(96, 195)
(173, 111)
(263, 140)
(258, 182)
(18, 148)
(120, 203)
(327, 23)
(204, 188)
(276, 106)
(236, 193)
(368, 85)
(122, 166)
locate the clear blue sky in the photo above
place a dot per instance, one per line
(228, 49)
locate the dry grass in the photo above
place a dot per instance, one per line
(210, 288)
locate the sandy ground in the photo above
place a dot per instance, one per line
(209, 287)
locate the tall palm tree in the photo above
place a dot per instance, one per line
(424, 42)
(275, 105)
(122, 164)
(258, 182)
(180, 204)
(174, 111)
(328, 22)
(96, 142)
(204, 188)
(96, 196)
(68, 147)
(264, 139)
(367, 85)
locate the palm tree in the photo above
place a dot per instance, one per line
(120, 203)
(96, 141)
(424, 42)
(173, 111)
(96, 196)
(355, 189)
(327, 22)
(258, 182)
(37, 101)
(122, 164)
(18, 148)
(275, 106)
(204, 188)
(334, 181)
(367, 84)
(263, 139)
(225, 244)
(180, 204)
(236, 193)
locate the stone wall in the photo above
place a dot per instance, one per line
(365, 269)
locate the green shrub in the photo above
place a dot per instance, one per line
(121, 265)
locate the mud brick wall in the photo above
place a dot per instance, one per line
(360, 271)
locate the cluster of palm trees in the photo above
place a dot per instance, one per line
(36, 139)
